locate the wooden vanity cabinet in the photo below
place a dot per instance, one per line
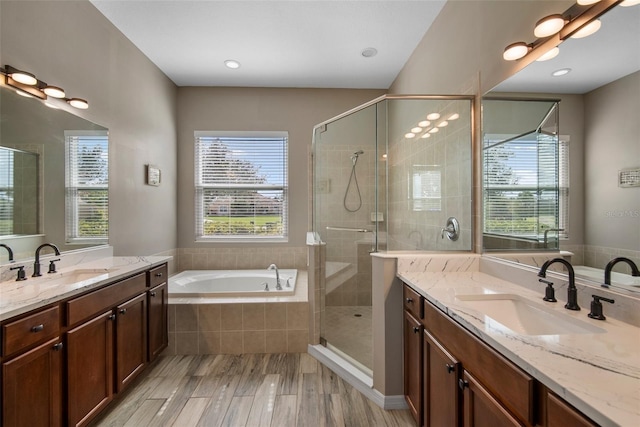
(413, 352)
(441, 396)
(561, 414)
(158, 298)
(481, 408)
(131, 340)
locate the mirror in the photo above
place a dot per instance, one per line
(32, 174)
(599, 101)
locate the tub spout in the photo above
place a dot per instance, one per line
(278, 285)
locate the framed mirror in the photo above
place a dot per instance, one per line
(599, 100)
(37, 191)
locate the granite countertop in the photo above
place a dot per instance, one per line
(598, 373)
(21, 297)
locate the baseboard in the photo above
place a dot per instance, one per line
(355, 377)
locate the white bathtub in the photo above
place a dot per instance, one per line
(597, 275)
(231, 283)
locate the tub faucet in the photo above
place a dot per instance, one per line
(278, 285)
(607, 270)
(8, 250)
(546, 232)
(36, 264)
(572, 291)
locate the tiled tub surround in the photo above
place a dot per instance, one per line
(599, 374)
(227, 325)
(20, 297)
(244, 258)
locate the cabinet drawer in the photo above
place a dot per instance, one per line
(158, 275)
(504, 380)
(412, 302)
(30, 330)
(103, 299)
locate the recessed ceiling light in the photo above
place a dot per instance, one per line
(561, 72)
(231, 63)
(369, 52)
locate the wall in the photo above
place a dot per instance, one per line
(71, 44)
(612, 135)
(257, 109)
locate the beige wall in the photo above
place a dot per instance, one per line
(71, 44)
(296, 111)
(612, 137)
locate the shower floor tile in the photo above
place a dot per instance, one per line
(349, 329)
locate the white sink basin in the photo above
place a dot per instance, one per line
(525, 317)
(81, 274)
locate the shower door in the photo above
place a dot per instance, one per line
(347, 218)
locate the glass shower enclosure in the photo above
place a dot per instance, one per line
(386, 177)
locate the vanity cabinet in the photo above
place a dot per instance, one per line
(62, 365)
(465, 382)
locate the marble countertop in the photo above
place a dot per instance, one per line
(598, 373)
(21, 297)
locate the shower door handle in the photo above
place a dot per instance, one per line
(357, 230)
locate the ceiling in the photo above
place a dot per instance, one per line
(300, 43)
(307, 43)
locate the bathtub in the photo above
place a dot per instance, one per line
(597, 275)
(231, 283)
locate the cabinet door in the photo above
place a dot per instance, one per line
(158, 336)
(89, 368)
(131, 340)
(441, 392)
(560, 414)
(413, 365)
(481, 409)
(32, 387)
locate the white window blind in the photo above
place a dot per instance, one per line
(521, 186)
(564, 184)
(241, 186)
(87, 186)
(6, 191)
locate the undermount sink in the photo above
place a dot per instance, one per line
(81, 274)
(525, 317)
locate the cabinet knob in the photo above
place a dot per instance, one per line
(409, 300)
(153, 294)
(450, 368)
(158, 274)
(462, 384)
(112, 317)
(58, 347)
(37, 328)
(123, 311)
(416, 329)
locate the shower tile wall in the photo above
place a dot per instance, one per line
(446, 153)
(245, 258)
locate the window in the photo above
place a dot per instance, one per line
(87, 186)
(6, 191)
(425, 188)
(241, 186)
(563, 186)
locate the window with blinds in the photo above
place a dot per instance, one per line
(86, 186)
(6, 192)
(521, 186)
(241, 186)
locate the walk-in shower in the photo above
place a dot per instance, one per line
(386, 176)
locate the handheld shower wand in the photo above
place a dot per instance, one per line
(353, 178)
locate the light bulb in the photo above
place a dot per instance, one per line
(548, 25)
(24, 78)
(78, 103)
(54, 91)
(515, 51)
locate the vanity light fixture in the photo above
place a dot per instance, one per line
(579, 20)
(443, 124)
(416, 129)
(424, 123)
(552, 53)
(628, 3)
(426, 135)
(409, 135)
(549, 25)
(454, 116)
(433, 116)
(434, 130)
(26, 84)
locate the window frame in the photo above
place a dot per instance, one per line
(200, 188)
(72, 211)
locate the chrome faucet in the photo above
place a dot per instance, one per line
(36, 264)
(8, 250)
(607, 270)
(278, 285)
(572, 291)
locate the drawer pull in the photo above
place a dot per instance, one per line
(158, 274)
(58, 347)
(153, 294)
(37, 328)
(112, 317)
(416, 329)
(450, 368)
(462, 384)
(123, 311)
(409, 300)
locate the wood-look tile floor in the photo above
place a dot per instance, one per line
(252, 390)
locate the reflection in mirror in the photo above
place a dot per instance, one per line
(520, 158)
(32, 177)
(600, 100)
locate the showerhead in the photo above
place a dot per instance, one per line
(357, 153)
(354, 156)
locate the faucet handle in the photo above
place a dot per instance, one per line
(52, 265)
(549, 292)
(21, 274)
(596, 307)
